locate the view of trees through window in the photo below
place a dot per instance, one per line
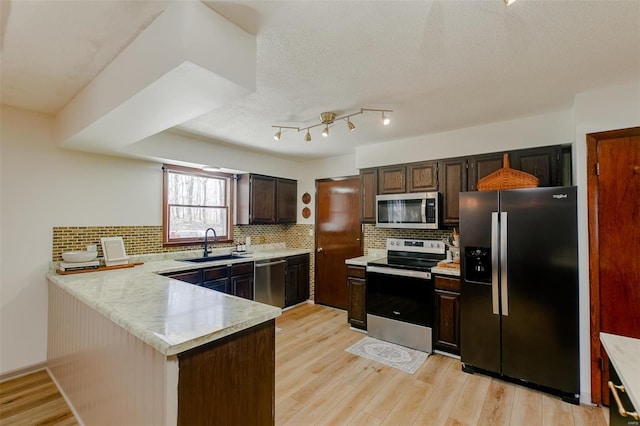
(195, 203)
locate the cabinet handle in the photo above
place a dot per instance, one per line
(621, 410)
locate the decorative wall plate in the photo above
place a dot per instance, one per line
(306, 212)
(306, 198)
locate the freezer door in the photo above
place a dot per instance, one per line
(479, 325)
(540, 333)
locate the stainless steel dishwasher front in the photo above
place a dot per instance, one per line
(269, 279)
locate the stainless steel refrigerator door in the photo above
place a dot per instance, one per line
(479, 326)
(540, 333)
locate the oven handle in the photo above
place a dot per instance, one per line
(399, 272)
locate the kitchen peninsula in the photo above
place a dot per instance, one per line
(130, 346)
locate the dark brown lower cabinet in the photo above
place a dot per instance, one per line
(230, 381)
(446, 327)
(296, 280)
(615, 417)
(357, 308)
(236, 279)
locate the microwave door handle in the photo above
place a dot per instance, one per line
(423, 210)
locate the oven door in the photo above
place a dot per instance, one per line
(400, 294)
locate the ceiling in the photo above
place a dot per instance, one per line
(439, 65)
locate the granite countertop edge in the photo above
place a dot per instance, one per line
(170, 315)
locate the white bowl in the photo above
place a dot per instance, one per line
(79, 256)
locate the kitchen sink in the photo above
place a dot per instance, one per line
(214, 258)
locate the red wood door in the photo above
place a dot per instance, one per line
(614, 228)
(338, 237)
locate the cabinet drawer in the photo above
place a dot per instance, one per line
(445, 283)
(211, 274)
(242, 269)
(356, 271)
(192, 277)
(297, 259)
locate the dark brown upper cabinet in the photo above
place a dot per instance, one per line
(287, 199)
(453, 173)
(368, 192)
(481, 166)
(422, 177)
(266, 200)
(543, 163)
(392, 180)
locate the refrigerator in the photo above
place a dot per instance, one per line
(519, 287)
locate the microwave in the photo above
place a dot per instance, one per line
(419, 210)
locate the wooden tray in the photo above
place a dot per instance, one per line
(100, 268)
(450, 265)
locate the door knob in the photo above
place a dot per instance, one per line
(320, 250)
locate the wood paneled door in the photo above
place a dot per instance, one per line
(338, 237)
(613, 161)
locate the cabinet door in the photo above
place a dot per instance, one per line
(291, 286)
(422, 177)
(221, 285)
(542, 162)
(368, 192)
(453, 174)
(192, 277)
(446, 330)
(481, 166)
(287, 204)
(242, 286)
(392, 180)
(357, 308)
(263, 199)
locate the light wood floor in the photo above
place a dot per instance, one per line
(318, 383)
(33, 400)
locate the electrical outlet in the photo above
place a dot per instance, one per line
(311, 232)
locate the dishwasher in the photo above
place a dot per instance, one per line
(269, 279)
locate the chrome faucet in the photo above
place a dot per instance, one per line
(215, 240)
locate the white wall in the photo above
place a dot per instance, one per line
(43, 186)
(547, 129)
(595, 111)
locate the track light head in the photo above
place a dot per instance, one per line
(325, 131)
(385, 120)
(351, 126)
(509, 2)
(307, 137)
(278, 134)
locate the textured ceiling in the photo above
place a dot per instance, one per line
(439, 65)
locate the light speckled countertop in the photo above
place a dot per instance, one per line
(169, 315)
(454, 272)
(624, 353)
(373, 254)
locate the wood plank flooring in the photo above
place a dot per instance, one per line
(33, 400)
(318, 383)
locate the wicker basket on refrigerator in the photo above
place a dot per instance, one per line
(507, 178)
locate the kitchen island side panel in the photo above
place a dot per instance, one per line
(108, 375)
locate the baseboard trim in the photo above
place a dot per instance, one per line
(66, 398)
(14, 374)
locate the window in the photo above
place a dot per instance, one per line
(193, 201)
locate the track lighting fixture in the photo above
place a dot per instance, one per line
(328, 118)
(509, 2)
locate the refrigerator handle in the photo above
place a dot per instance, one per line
(503, 265)
(494, 263)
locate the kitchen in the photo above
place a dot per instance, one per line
(116, 191)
